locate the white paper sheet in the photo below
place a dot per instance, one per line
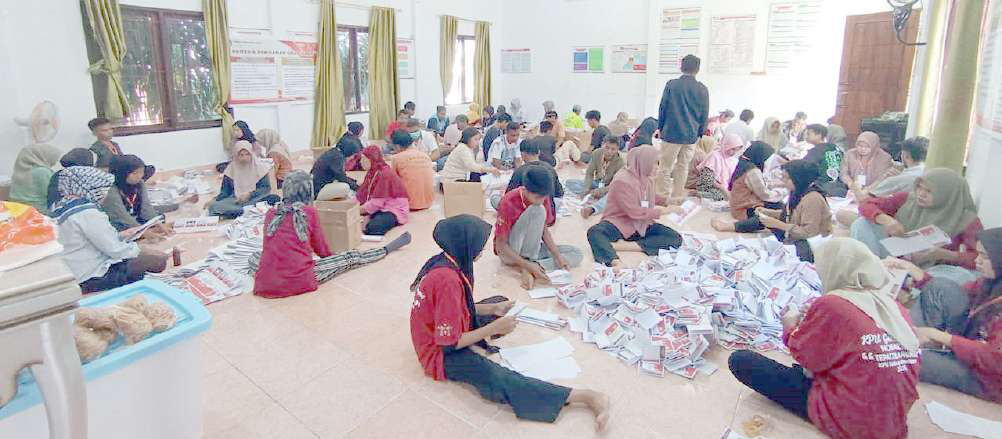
(539, 356)
(953, 421)
(543, 293)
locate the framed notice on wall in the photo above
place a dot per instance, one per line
(266, 70)
(790, 32)
(629, 58)
(589, 60)
(405, 58)
(516, 60)
(732, 44)
(679, 37)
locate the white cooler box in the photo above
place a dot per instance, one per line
(150, 390)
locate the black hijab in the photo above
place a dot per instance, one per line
(121, 166)
(77, 157)
(645, 132)
(247, 134)
(462, 238)
(753, 157)
(991, 289)
(350, 144)
(804, 176)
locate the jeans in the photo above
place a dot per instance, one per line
(577, 186)
(870, 233)
(753, 224)
(526, 239)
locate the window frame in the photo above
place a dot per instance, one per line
(162, 68)
(462, 71)
(356, 94)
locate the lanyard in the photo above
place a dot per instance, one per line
(132, 200)
(461, 274)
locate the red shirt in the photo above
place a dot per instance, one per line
(864, 382)
(289, 260)
(871, 208)
(512, 204)
(439, 317)
(393, 126)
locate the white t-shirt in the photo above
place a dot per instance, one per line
(426, 143)
(504, 151)
(743, 130)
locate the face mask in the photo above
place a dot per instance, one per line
(416, 135)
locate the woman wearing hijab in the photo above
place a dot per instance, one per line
(715, 171)
(292, 236)
(963, 324)
(462, 163)
(838, 137)
(382, 195)
(489, 117)
(516, 111)
(243, 132)
(772, 133)
(856, 352)
(445, 322)
(128, 203)
(621, 126)
(631, 211)
(29, 183)
(748, 191)
(941, 198)
(806, 215)
(245, 183)
(329, 178)
(93, 250)
(866, 164)
(705, 146)
(644, 134)
(75, 157)
(277, 151)
(473, 115)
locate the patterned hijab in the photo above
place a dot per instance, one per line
(297, 192)
(81, 188)
(952, 209)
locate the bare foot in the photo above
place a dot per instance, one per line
(587, 212)
(600, 405)
(526, 280)
(721, 225)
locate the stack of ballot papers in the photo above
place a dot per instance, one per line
(541, 318)
(210, 281)
(250, 224)
(544, 361)
(663, 315)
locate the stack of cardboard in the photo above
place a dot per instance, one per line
(463, 197)
(341, 223)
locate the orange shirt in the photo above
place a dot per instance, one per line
(417, 172)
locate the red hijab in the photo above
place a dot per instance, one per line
(380, 181)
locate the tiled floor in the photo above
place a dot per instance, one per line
(338, 363)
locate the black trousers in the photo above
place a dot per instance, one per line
(657, 236)
(753, 224)
(530, 398)
(380, 223)
(804, 251)
(126, 272)
(786, 386)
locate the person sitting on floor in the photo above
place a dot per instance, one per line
(330, 181)
(94, 251)
(965, 320)
(242, 133)
(715, 125)
(899, 178)
(742, 127)
(865, 164)
(621, 126)
(559, 130)
(598, 135)
(278, 152)
(605, 163)
(104, 148)
(547, 143)
(128, 203)
(473, 115)
(33, 169)
(351, 140)
(424, 141)
(245, 183)
(416, 171)
(504, 153)
(75, 157)
(805, 216)
(445, 322)
(644, 134)
(489, 117)
(828, 157)
(382, 195)
(941, 198)
(715, 171)
(455, 131)
(462, 164)
(398, 124)
(530, 152)
(631, 212)
(748, 192)
(772, 133)
(522, 236)
(497, 130)
(292, 236)
(841, 383)
(440, 122)
(573, 119)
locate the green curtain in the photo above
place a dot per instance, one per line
(106, 22)
(217, 35)
(384, 91)
(328, 104)
(447, 52)
(482, 65)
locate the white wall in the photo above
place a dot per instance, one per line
(44, 57)
(542, 26)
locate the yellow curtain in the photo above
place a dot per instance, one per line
(217, 35)
(384, 95)
(328, 105)
(447, 52)
(482, 65)
(106, 22)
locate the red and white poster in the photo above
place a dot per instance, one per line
(405, 58)
(263, 71)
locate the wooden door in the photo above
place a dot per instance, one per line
(876, 69)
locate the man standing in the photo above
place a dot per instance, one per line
(685, 106)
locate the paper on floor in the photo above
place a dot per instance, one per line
(543, 293)
(953, 421)
(551, 359)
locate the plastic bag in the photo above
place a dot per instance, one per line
(21, 224)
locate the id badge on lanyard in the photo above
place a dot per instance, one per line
(645, 203)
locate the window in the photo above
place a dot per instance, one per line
(462, 71)
(166, 73)
(353, 48)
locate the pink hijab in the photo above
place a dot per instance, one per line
(630, 189)
(724, 159)
(245, 175)
(872, 165)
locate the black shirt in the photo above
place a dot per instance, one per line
(547, 148)
(685, 105)
(491, 134)
(598, 136)
(329, 168)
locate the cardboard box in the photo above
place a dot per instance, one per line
(463, 197)
(341, 222)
